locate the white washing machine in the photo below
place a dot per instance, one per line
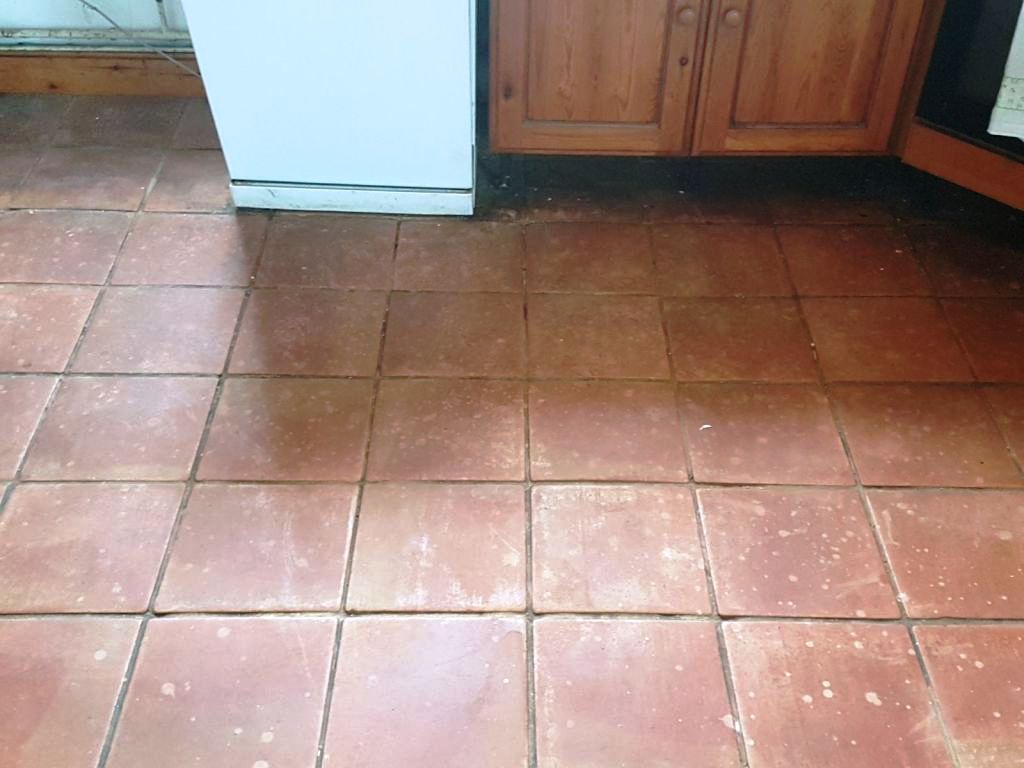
(343, 105)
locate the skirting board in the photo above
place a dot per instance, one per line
(295, 197)
(984, 172)
(96, 73)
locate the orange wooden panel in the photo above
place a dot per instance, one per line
(598, 62)
(812, 61)
(594, 76)
(97, 73)
(987, 173)
(804, 76)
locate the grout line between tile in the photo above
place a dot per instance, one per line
(698, 485)
(321, 746)
(122, 694)
(62, 375)
(527, 486)
(876, 534)
(69, 374)
(723, 654)
(354, 524)
(982, 388)
(706, 618)
(185, 497)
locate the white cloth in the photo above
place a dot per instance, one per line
(1008, 114)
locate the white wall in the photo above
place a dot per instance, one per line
(68, 22)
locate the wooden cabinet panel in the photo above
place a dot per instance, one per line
(593, 76)
(595, 62)
(804, 76)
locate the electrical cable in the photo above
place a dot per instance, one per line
(132, 36)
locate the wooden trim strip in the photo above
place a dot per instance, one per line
(96, 73)
(984, 172)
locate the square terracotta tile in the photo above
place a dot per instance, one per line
(992, 331)
(459, 256)
(160, 330)
(40, 325)
(924, 435)
(437, 429)
(260, 548)
(611, 337)
(854, 261)
(955, 554)
(191, 249)
(121, 428)
(884, 339)
(455, 334)
(61, 678)
(59, 246)
(15, 164)
(196, 129)
(99, 179)
(593, 257)
(440, 548)
(738, 339)
(616, 548)
(614, 693)
(310, 333)
(89, 547)
(1008, 405)
(22, 400)
(226, 691)
(967, 261)
(191, 181)
(605, 430)
(762, 433)
(448, 691)
(700, 260)
(976, 674)
(329, 251)
(845, 695)
(805, 553)
(288, 429)
(27, 118)
(119, 121)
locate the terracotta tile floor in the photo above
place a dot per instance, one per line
(651, 463)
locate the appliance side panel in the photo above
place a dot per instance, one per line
(357, 93)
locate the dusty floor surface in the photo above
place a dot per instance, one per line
(653, 463)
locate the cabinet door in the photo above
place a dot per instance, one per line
(804, 76)
(593, 76)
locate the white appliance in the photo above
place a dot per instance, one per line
(342, 105)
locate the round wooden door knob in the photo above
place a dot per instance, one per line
(686, 16)
(732, 18)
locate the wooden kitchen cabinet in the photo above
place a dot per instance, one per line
(594, 76)
(804, 76)
(775, 76)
